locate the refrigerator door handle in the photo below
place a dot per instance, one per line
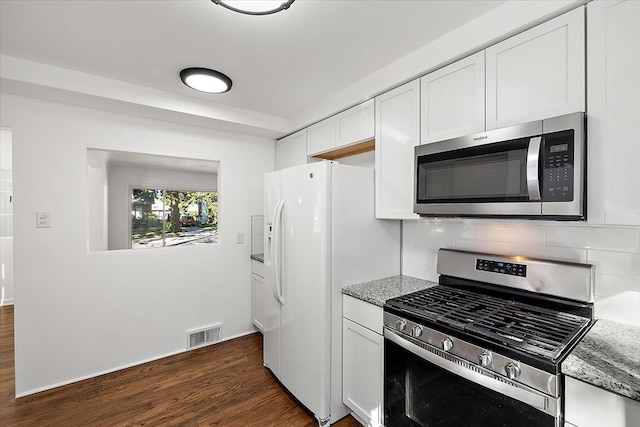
(276, 252)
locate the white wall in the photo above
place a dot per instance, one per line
(80, 313)
(614, 251)
(98, 209)
(122, 177)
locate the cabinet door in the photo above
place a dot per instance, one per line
(355, 124)
(283, 154)
(362, 372)
(321, 137)
(257, 301)
(397, 133)
(613, 91)
(298, 148)
(590, 406)
(537, 74)
(452, 100)
(292, 150)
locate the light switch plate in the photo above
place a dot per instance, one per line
(43, 220)
(239, 237)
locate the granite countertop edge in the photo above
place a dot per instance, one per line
(608, 357)
(377, 292)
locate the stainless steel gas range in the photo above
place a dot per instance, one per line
(484, 347)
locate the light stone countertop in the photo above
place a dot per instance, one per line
(378, 291)
(608, 357)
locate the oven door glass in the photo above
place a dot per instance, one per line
(418, 393)
(489, 173)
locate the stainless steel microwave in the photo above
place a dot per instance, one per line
(535, 170)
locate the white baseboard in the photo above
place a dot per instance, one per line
(119, 368)
(8, 301)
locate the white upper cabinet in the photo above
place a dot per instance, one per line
(397, 133)
(346, 128)
(355, 125)
(537, 74)
(292, 150)
(452, 100)
(282, 154)
(321, 136)
(613, 120)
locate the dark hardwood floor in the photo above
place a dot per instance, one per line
(221, 385)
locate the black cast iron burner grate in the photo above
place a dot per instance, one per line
(533, 329)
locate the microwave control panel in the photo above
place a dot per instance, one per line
(557, 177)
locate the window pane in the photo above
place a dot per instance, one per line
(147, 218)
(173, 217)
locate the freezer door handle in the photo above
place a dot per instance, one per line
(276, 249)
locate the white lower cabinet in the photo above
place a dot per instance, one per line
(257, 294)
(363, 352)
(590, 406)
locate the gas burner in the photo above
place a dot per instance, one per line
(527, 327)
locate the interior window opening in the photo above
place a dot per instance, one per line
(141, 200)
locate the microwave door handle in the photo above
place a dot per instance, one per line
(533, 166)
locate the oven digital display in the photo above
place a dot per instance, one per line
(509, 268)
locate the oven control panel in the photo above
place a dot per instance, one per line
(510, 268)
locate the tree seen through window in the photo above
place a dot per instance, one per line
(161, 217)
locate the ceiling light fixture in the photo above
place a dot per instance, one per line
(205, 80)
(255, 7)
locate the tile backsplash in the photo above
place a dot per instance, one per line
(615, 252)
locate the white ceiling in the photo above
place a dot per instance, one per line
(280, 64)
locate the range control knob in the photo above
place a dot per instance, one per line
(447, 344)
(512, 370)
(401, 324)
(416, 331)
(485, 358)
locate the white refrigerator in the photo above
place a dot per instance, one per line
(320, 235)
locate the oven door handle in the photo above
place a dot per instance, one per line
(521, 392)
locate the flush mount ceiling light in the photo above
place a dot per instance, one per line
(255, 7)
(205, 80)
